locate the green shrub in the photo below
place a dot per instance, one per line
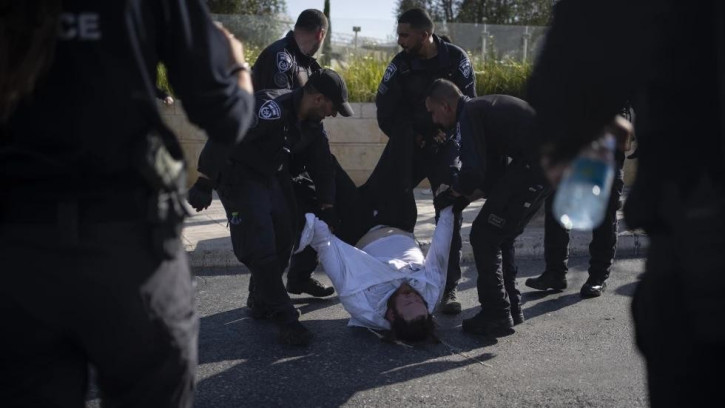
(362, 74)
(502, 77)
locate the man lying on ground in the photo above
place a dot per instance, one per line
(385, 282)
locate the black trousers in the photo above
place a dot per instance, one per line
(355, 218)
(80, 293)
(678, 306)
(511, 204)
(260, 210)
(603, 245)
(389, 192)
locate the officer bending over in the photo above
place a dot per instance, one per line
(490, 130)
(287, 64)
(412, 142)
(94, 273)
(255, 187)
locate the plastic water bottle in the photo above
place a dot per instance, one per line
(581, 200)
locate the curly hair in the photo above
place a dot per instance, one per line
(416, 330)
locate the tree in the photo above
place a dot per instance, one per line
(249, 7)
(256, 22)
(327, 45)
(519, 12)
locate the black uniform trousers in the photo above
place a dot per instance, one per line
(79, 288)
(677, 307)
(603, 245)
(260, 210)
(511, 204)
(389, 192)
(354, 219)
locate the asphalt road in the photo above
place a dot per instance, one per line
(569, 352)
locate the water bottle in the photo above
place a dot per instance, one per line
(581, 200)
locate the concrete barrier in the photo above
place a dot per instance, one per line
(357, 142)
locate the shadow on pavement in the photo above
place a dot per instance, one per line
(241, 365)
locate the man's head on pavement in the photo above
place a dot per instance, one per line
(325, 95)
(408, 315)
(310, 31)
(442, 102)
(415, 31)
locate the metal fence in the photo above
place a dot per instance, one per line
(481, 41)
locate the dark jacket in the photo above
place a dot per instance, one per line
(283, 66)
(80, 129)
(490, 129)
(278, 140)
(401, 94)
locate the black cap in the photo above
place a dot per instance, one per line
(329, 83)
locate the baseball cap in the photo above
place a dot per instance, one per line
(329, 83)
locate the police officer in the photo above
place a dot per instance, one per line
(286, 64)
(254, 184)
(596, 56)
(94, 273)
(412, 135)
(603, 245)
(492, 130)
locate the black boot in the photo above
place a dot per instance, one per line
(547, 280)
(593, 287)
(517, 314)
(449, 303)
(488, 326)
(311, 286)
(293, 333)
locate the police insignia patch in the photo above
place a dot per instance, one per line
(465, 67)
(496, 221)
(389, 72)
(281, 80)
(270, 111)
(382, 89)
(284, 61)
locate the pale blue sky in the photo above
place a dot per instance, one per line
(375, 17)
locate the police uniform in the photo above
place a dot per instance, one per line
(255, 187)
(490, 131)
(678, 196)
(402, 116)
(94, 270)
(283, 66)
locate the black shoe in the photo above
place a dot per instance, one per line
(258, 310)
(517, 315)
(593, 288)
(449, 303)
(310, 286)
(546, 281)
(480, 324)
(294, 334)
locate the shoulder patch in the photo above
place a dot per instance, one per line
(281, 80)
(270, 111)
(382, 89)
(389, 72)
(465, 67)
(284, 61)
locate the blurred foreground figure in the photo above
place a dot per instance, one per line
(93, 270)
(670, 57)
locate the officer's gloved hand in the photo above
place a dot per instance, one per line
(443, 199)
(446, 198)
(329, 215)
(200, 194)
(460, 203)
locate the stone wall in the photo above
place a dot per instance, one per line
(357, 142)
